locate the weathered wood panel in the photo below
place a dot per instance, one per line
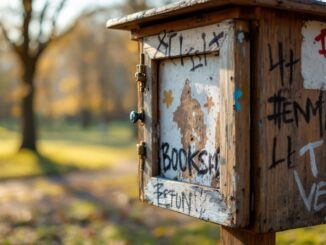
(149, 129)
(194, 21)
(289, 124)
(194, 200)
(235, 124)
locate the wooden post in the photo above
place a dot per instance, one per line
(242, 237)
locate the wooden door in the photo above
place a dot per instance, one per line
(197, 129)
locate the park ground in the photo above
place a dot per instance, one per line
(82, 189)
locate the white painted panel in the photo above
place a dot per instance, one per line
(313, 55)
(189, 109)
(200, 202)
(188, 42)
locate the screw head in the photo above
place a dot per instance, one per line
(135, 116)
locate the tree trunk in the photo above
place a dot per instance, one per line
(86, 118)
(28, 116)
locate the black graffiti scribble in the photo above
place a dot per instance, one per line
(281, 62)
(287, 158)
(171, 35)
(286, 111)
(216, 39)
(172, 158)
(198, 56)
(161, 38)
(170, 198)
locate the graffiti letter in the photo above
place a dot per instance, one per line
(310, 147)
(307, 201)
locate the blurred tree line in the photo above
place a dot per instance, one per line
(78, 73)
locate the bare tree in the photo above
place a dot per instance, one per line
(29, 47)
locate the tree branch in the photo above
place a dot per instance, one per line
(55, 17)
(43, 45)
(41, 20)
(55, 38)
(14, 46)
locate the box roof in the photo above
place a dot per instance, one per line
(180, 8)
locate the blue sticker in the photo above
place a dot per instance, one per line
(237, 106)
(236, 96)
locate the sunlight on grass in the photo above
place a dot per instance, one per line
(315, 235)
(197, 232)
(85, 156)
(50, 188)
(81, 210)
(66, 150)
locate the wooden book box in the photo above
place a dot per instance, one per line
(232, 110)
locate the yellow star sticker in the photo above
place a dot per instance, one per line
(209, 104)
(168, 98)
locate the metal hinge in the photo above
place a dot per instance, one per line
(141, 74)
(141, 148)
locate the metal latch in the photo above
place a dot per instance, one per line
(141, 74)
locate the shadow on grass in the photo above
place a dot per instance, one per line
(50, 167)
(27, 164)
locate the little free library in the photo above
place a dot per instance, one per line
(232, 112)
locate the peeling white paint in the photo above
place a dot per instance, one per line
(313, 62)
(193, 200)
(204, 83)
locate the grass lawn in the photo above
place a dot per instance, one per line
(66, 149)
